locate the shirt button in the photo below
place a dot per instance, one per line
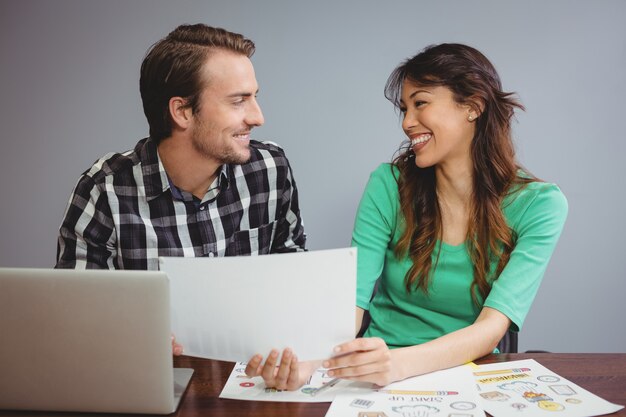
(202, 208)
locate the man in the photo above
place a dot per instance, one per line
(198, 186)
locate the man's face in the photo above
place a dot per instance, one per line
(228, 109)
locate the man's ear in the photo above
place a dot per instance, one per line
(180, 112)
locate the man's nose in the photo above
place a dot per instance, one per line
(255, 115)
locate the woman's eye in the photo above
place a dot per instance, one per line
(419, 103)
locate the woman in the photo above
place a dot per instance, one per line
(458, 233)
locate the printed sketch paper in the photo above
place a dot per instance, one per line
(527, 389)
(447, 393)
(240, 387)
(451, 390)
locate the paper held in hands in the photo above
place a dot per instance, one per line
(234, 307)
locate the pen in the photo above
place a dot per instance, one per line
(332, 383)
(408, 392)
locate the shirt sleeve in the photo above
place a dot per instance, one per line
(538, 231)
(289, 235)
(87, 230)
(373, 231)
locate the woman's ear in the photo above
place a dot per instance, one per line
(180, 112)
(475, 107)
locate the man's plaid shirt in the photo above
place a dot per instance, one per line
(124, 214)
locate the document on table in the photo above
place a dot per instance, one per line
(241, 387)
(449, 392)
(522, 388)
(528, 389)
(234, 307)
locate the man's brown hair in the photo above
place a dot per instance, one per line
(172, 68)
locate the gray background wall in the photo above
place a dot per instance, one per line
(69, 94)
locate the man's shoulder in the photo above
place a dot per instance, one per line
(267, 146)
(115, 164)
(266, 151)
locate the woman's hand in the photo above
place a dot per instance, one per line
(290, 375)
(365, 359)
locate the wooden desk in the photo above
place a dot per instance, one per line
(602, 374)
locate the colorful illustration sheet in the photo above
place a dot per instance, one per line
(526, 389)
(447, 393)
(241, 387)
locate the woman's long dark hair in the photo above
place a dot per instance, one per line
(473, 81)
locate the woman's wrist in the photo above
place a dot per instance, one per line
(401, 364)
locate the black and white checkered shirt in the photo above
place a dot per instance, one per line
(124, 213)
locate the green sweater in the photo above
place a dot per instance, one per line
(536, 213)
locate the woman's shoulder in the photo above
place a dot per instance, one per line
(385, 175)
(535, 196)
(382, 188)
(536, 189)
(386, 170)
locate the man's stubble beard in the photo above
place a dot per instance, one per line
(209, 150)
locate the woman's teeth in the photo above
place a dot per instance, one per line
(421, 139)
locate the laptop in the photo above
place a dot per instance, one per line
(87, 341)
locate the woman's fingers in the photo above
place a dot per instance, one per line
(281, 377)
(284, 370)
(365, 359)
(294, 382)
(359, 352)
(269, 369)
(359, 345)
(359, 363)
(254, 366)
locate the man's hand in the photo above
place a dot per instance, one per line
(177, 349)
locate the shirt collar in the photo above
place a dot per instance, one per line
(155, 178)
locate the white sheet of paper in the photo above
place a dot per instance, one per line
(231, 308)
(528, 389)
(450, 392)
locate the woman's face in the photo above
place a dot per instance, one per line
(437, 126)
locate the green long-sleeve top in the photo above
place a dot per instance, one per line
(536, 213)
